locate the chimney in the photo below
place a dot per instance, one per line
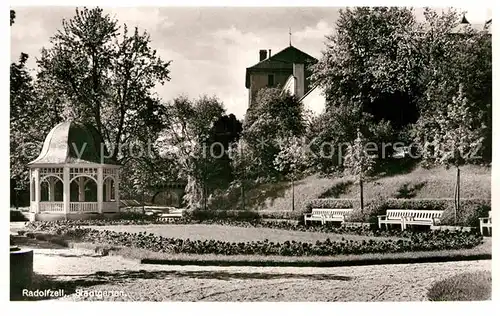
(300, 80)
(269, 53)
(262, 54)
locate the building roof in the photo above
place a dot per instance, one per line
(479, 27)
(282, 60)
(72, 143)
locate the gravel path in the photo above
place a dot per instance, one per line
(78, 271)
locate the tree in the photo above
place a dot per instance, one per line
(451, 137)
(99, 73)
(30, 121)
(358, 162)
(372, 58)
(145, 175)
(461, 60)
(455, 122)
(244, 163)
(225, 131)
(397, 69)
(22, 103)
(189, 127)
(332, 131)
(292, 160)
(106, 74)
(274, 116)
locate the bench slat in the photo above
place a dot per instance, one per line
(326, 215)
(410, 217)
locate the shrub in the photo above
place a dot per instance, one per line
(236, 215)
(470, 212)
(331, 203)
(417, 204)
(133, 215)
(373, 208)
(17, 216)
(469, 286)
(279, 214)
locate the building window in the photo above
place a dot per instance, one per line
(270, 80)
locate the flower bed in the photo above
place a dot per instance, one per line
(435, 240)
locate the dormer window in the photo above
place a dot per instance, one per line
(270, 80)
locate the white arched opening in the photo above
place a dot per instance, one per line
(83, 189)
(108, 189)
(51, 189)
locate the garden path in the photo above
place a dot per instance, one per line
(79, 269)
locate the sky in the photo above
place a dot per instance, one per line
(210, 47)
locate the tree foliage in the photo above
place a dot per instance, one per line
(359, 162)
(292, 158)
(371, 59)
(450, 134)
(274, 116)
(105, 75)
(460, 61)
(198, 135)
(399, 69)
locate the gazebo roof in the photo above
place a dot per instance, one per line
(73, 143)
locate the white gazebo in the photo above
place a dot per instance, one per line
(72, 178)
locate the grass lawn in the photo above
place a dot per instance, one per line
(231, 233)
(469, 286)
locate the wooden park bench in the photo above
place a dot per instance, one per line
(326, 215)
(170, 216)
(410, 217)
(485, 222)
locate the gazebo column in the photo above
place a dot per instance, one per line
(109, 182)
(81, 189)
(66, 189)
(32, 194)
(36, 174)
(51, 189)
(99, 189)
(117, 190)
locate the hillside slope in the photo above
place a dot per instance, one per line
(419, 183)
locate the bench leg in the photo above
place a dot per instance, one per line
(379, 225)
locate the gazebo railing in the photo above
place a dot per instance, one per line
(74, 207)
(51, 207)
(83, 207)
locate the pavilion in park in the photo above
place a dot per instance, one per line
(72, 178)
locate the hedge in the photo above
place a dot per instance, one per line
(17, 216)
(236, 215)
(331, 203)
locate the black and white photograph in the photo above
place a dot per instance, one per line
(250, 154)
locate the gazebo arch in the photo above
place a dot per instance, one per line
(67, 180)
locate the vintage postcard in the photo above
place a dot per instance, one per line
(250, 154)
